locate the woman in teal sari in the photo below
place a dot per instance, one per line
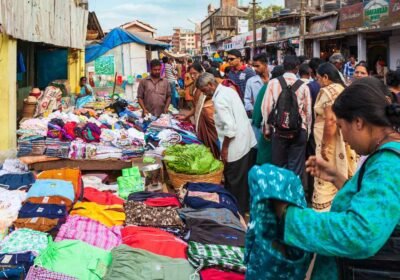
(363, 215)
(85, 94)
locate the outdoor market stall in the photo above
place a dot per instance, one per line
(64, 216)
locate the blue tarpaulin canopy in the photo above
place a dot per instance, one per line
(116, 37)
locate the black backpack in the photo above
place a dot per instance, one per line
(386, 263)
(285, 116)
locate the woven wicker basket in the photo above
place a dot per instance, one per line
(28, 110)
(92, 35)
(178, 180)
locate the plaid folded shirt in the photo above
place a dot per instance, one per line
(91, 232)
(207, 255)
(37, 272)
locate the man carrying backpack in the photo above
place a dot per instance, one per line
(286, 110)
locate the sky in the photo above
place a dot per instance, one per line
(162, 14)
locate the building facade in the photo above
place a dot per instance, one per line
(140, 27)
(369, 30)
(220, 24)
(185, 41)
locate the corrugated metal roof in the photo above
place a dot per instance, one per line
(55, 22)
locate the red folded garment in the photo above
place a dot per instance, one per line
(154, 240)
(162, 202)
(103, 198)
(216, 274)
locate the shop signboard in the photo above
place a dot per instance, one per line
(259, 34)
(324, 25)
(104, 65)
(287, 31)
(238, 41)
(351, 16)
(394, 11)
(271, 34)
(376, 12)
(228, 45)
(243, 26)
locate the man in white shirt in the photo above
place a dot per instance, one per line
(235, 135)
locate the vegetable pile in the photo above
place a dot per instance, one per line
(191, 159)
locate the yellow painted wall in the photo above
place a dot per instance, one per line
(76, 68)
(8, 93)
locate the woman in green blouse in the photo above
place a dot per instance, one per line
(264, 153)
(362, 217)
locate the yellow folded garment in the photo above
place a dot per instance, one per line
(109, 215)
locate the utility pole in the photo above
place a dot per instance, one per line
(253, 53)
(302, 26)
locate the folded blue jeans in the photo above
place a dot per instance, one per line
(51, 211)
(16, 181)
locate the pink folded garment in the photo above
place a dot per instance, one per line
(37, 272)
(216, 274)
(91, 232)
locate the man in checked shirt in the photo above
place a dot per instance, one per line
(288, 153)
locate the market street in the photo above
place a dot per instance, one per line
(199, 140)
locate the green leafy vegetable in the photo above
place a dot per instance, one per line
(191, 159)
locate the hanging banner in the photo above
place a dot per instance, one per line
(104, 65)
(271, 34)
(243, 26)
(376, 12)
(287, 31)
(324, 25)
(259, 33)
(238, 41)
(351, 16)
(394, 11)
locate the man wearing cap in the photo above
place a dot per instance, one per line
(240, 73)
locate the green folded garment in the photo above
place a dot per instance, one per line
(130, 182)
(136, 264)
(75, 258)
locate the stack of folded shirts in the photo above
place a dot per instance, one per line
(91, 232)
(101, 197)
(31, 146)
(216, 231)
(47, 205)
(154, 240)
(108, 152)
(138, 264)
(139, 214)
(57, 148)
(75, 258)
(24, 240)
(41, 217)
(209, 255)
(14, 266)
(132, 152)
(109, 215)
(155, 210)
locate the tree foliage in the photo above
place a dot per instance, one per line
(262, 13)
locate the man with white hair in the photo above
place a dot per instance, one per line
(338, 60)
(236, 137)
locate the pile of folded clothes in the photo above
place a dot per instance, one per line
(31, 146)
(59, 231)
